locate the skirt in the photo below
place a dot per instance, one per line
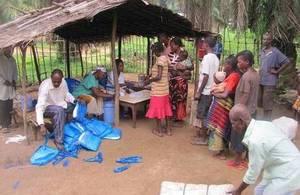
(159, 107)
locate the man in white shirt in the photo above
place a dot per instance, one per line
(8, 78)
(209, 66)
(53, 99)
(270, 152)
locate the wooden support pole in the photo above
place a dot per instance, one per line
(23, 50)
(67, 51)
(196, 70)
(120, 47)
(81, 61)
(148, 55)
(37, 69)
(114, 66)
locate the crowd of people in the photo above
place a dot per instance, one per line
(224, 106)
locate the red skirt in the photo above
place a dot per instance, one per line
(159, 107)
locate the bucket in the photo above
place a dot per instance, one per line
(109, 111)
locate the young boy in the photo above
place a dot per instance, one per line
(209, 66)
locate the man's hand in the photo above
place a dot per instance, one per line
(43, 130)
(14, 84)
(197, 96)
(274, 71)
(234, 192)
(7, 83)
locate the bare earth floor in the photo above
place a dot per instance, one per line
(165, 159)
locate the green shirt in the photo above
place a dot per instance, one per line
(85, 86)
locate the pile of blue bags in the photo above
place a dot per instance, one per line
(80, 133)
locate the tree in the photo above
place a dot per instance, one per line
(282, 18)
(13, 8)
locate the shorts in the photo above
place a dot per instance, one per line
(236, 142)
(203, 106)
(265, 99)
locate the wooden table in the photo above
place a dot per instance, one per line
(134, 100)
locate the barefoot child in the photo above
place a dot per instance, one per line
(159, 107)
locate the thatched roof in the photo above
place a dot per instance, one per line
(91, 20)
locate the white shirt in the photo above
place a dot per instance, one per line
(273, 153)
(121, 77)
(209, 66)
(49, 95)
(9, 72)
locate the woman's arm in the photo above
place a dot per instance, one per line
(155, 79)
(222, 95)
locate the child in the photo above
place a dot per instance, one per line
(184, 66)
(219, 85)
(209, 66)
(160, 106)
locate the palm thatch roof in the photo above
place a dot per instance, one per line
(91, 20)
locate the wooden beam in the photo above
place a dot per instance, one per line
(120, 47)
(114, 66)
(23, 50)
(36, 64)
(197, 67)
(67, 52)
(81, 61)
(149, 56)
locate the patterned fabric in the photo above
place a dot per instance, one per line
(161, 87)
(178, 94)
(218, 116)
(218, 123)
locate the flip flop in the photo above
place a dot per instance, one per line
(169, 133)
(240, 166)
(5, 130)
(155, 132)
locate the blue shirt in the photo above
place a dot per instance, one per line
(273, 153)
(271, 59)
(218, 49)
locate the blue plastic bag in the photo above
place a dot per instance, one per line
(98, 158)
(72, 84)
(114, 135)
(71, 130)
(44, 154)
(89, 141)
(98, 128)
(130, 160)
(121, 169)
(80, 111)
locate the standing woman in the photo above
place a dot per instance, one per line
(218, 121)
(159, 107)
(178, 84)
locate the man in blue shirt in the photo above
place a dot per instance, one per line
(272, 63)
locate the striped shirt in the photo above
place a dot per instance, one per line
(161, 87)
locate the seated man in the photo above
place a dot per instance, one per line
(53, 99)
(89, 91)
(270, 152)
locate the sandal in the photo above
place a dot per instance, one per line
(169, 132)
(159, 134)
(5, 130)
(240, 166)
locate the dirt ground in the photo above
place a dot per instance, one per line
(164, 159)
